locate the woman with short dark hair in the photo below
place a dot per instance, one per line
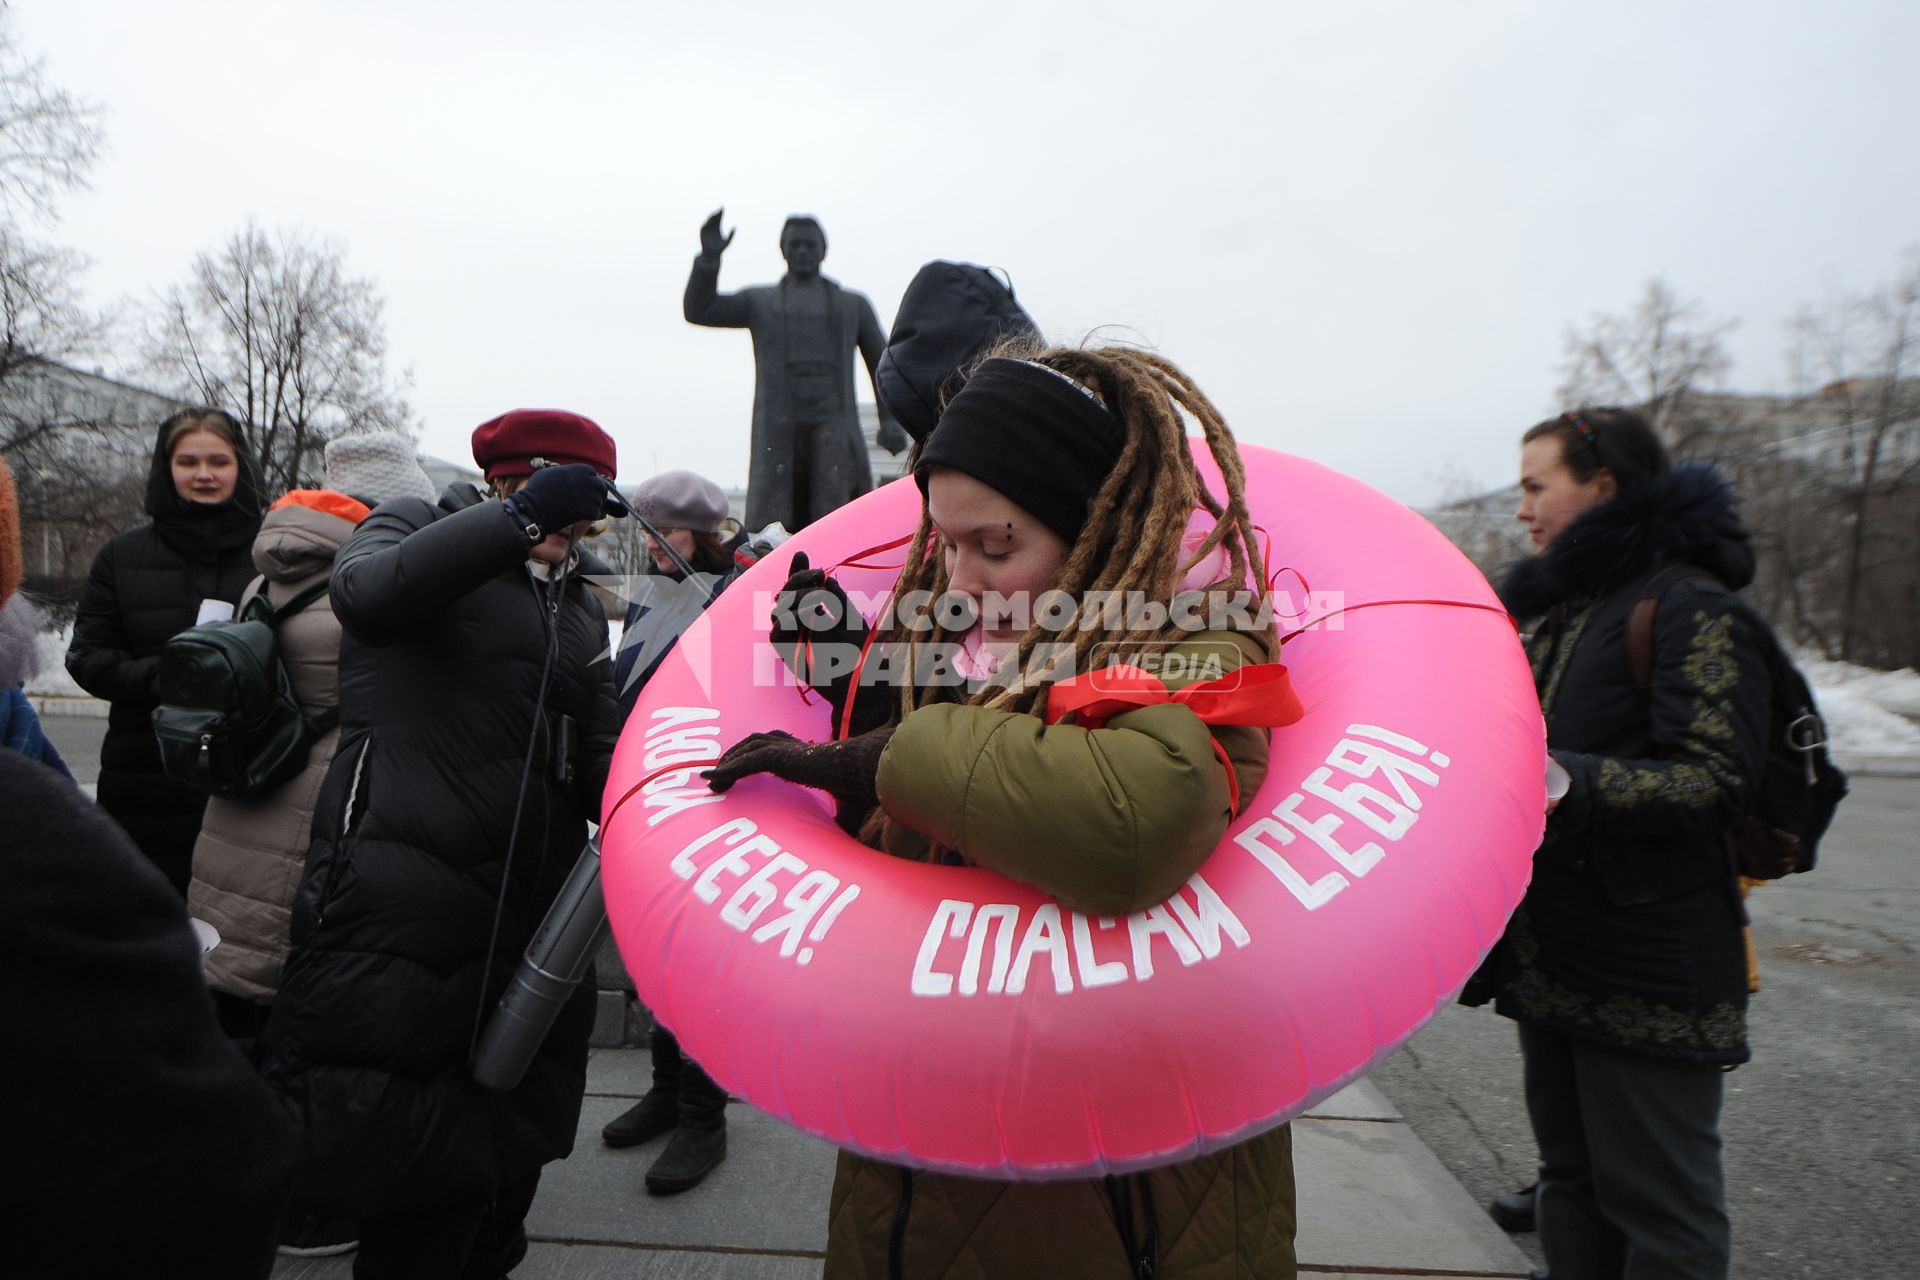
(1625, 965)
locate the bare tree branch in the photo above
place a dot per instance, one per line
(1654, 359)
(273, 329)
(49, 139)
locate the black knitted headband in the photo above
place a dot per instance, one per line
(1031, 433)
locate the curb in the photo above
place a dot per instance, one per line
(79, 706)
(1878, 765)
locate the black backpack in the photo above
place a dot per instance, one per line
(228, 722)
(950, 313)
(1799, 788)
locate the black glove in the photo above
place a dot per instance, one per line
(892, 436)
(848, 771)
(556, 498)
(820, 642)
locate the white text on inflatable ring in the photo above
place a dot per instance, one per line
(1063, 941)
(811, 900)
(1368, 752)
(687, 736)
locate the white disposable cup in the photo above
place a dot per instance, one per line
(214, 611)
(1559, 781)
(206, 935)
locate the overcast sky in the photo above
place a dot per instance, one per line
(1363, 228)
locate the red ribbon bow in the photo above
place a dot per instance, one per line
(1260, 694)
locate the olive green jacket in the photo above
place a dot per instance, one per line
(1109, 821)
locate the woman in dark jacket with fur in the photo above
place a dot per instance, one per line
(477, 724)
(203, 492)
(1625, 965)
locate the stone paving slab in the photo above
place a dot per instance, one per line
(1373, 1199)
(607, 1262)
(552, 1261)
(621, 1073)
(769, 1195)
(1361, 1100)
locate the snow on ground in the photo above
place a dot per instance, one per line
(1867, 712)
(52, 679)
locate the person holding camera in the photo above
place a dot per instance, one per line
(476, 728)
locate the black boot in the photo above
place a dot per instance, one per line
(699, 1144)
(659, 1110)
(1514, 1210)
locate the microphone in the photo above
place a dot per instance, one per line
(556, 959)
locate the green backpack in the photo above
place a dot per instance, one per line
(228, 722)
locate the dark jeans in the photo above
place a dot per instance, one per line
(477, 1239)
(1631, 1183)
(703, 1104)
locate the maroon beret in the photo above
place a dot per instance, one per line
(507, 445)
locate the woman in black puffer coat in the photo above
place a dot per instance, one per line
(453, 800)
(203, 492)
(1625, 964)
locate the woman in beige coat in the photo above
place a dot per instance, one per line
(248, 860)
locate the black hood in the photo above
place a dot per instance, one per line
(1686, 516)
(461, 494)
(197, 530)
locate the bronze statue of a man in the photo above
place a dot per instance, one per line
(808, 454)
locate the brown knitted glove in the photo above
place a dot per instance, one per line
(848, 771)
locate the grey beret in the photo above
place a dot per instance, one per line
(681, 500)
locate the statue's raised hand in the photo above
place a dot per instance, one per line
(712, 243)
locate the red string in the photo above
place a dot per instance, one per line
(1233, 777)
(858, 559)
(1375, 604)
(1306, 591)
(660, 772)
(844, 729)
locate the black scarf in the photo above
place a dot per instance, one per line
(204, 532)
(1687, 515)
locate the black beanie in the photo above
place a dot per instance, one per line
(1031, 433)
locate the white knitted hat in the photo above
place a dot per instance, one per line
(375, 466)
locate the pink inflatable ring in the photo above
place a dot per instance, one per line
(953, 1019)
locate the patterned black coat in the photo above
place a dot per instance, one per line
(447, 634)
(1630, 933)
(146, 587)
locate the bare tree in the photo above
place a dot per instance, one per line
(48, 138)
(1480, 521)
(1862, 353)
(42, 322)
(274, 330)
(75, 442)
(1656, 359)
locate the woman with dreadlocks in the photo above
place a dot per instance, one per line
(1062, 471)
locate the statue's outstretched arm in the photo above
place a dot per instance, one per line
(705, 304)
